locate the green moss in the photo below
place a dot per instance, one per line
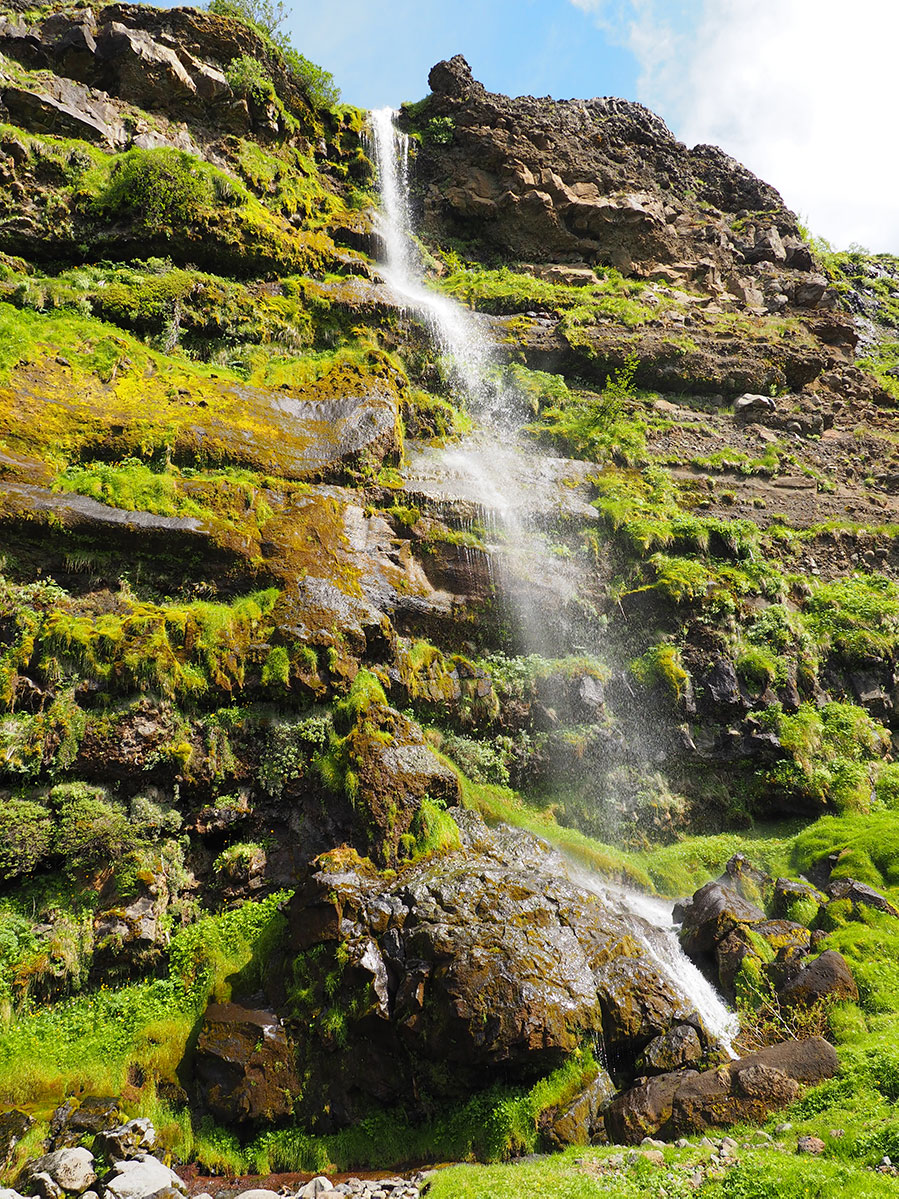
(661, 667)
(92, 1040)
(159, 189)
(276, 668)
(610, 297)
(868, 845)
(26, 834)
(433, 831)
(857, 616)
(834, 753)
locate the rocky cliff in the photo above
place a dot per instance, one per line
(262, 668)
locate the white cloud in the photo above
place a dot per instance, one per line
(801, 91)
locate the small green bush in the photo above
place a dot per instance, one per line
(247, 77)
(159, 189)
(26, 836)
(89, 826)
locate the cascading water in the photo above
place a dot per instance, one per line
(455, 330)
(502, 485)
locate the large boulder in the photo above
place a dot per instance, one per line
(144, 1176)
(671, 1051)
(243, 1065)
(482, 964)
(714, 911)
(685, 1102)
(860, 895)
(70, 1170)
(827, 977)
(581, 1122)
(13, 1126)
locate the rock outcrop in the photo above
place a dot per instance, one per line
(243, 1065)
(481, 963)
(602, 180)
(685, 1102)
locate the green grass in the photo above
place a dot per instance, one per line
(91, 1040)
(610, 297)
(765, 1175)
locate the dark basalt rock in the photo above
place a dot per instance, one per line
(787, 892)
(827, 977)
(604, 180)
(675, 1049)
(788, 940)
(243, 1066)
(71, 1121)
(13, 1126)
(581, 1123)
(685, 1102)
(713, 912)
(482, 964)
(453, 78)
(747, 880)
(860, 894)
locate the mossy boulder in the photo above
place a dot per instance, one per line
(243, 1069)
(687, 1102)
(827, 977)
(480, 964)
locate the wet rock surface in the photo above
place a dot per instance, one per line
(731, 939)
(487, 960)
(243, 1066)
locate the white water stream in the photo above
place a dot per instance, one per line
(491, 464)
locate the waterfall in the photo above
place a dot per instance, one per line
(456, 331)
(492, 466)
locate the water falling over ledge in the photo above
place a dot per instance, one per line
(493, 468)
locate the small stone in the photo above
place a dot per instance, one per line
(44, 1186)
(654, 1156)
(780, 1129)
(813, 1145)
(682, 1143)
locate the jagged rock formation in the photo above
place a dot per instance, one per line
(604, 180)
(481, 960)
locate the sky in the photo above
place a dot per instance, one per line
(801, 91)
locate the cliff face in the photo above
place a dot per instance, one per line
(597, 181)
(256, 656)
